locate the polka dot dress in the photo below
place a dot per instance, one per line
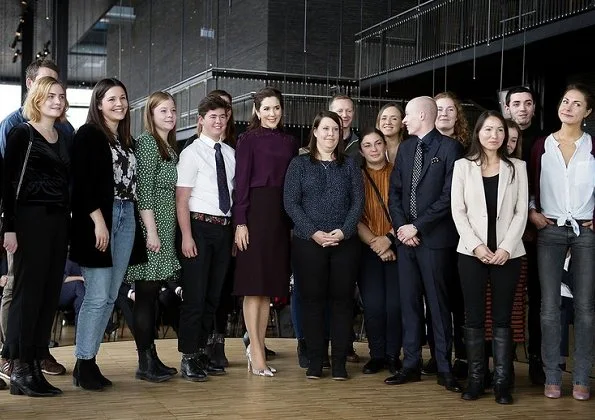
(156, 187)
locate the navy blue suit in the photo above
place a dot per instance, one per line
(425, 268)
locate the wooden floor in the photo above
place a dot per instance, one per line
(289, 395)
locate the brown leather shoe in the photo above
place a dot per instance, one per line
(50, 366)
(5, 368)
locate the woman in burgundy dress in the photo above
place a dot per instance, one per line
(262, 235)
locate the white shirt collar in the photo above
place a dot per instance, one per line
(209, 141)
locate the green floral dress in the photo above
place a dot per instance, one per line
(156, 190)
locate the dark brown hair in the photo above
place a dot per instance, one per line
(261, 95)
(153, 102)
(476, 152)
(339, 149)
(33, 68)
(518, 149)
(370, 130)
(211, 103)
(230, 130)
(95, 116)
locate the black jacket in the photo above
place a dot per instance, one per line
(93, 188)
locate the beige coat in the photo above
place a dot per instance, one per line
(469, 210)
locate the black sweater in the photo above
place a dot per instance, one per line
(47, 174)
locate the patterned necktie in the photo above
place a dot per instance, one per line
(418, 161)
(224, 200)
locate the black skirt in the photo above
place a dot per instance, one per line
(263, 269)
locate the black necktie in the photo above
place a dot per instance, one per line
(418, 161)
(224, 200)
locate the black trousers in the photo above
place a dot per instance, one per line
(202, 280)
(381, 296)
(42, 235)
(474, 276)
(327, 277)
(227, 300)
(534, 297)
(424, 269)
(457, 307)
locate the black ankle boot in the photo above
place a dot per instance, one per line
(475, 345)
(502, 344)
(148, 368)
(102, 379)
(22, 381)
(339, 369)
(84, 375)
(218, 357)
(302, 353)
(170, 370)
(40, 378)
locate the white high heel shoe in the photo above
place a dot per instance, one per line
(269, 372)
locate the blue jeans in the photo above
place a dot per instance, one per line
(102, 283)
(552, 244)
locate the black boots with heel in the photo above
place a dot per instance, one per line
(475, 344)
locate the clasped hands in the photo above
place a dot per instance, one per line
(381, 246)
(331, 238)
(407, 234)
(486, 256)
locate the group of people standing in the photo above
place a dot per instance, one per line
(388, 212)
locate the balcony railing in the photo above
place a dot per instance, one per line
(440, 27)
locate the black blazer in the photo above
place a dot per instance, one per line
(93, 188)
(434, 223)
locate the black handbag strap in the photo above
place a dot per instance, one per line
(25, 162)
(375, 188)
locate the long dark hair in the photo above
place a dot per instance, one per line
(261, 95)
(476, 152)
(339, 152)
(153, 102)
(95, 116)
(230, 129)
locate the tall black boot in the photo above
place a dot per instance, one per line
(148, 369)
(40, 378)
(23, 381)
(502, 344)
(170, 370)
(84, 375)
(475, 345)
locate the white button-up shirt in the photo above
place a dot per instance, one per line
(197, 169)
(567, 193)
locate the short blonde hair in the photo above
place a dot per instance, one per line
(37, 94)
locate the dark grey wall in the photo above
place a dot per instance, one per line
(164, 45)
(331, 26)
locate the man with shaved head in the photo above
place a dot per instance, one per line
(419, 202)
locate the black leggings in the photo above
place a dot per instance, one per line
(145, 312)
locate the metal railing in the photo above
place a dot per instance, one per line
(440, 27)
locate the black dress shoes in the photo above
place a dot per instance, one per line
(192, 368)
(448, 381)
(430, 368)
(374, 365)
(208, 365)
(393, 364)
(403, 376)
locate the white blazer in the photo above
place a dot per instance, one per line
(470, 213)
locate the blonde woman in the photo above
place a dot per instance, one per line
(35, 188)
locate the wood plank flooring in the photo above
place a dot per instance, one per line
(288, 395)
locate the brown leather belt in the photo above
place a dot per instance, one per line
(209, 218)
